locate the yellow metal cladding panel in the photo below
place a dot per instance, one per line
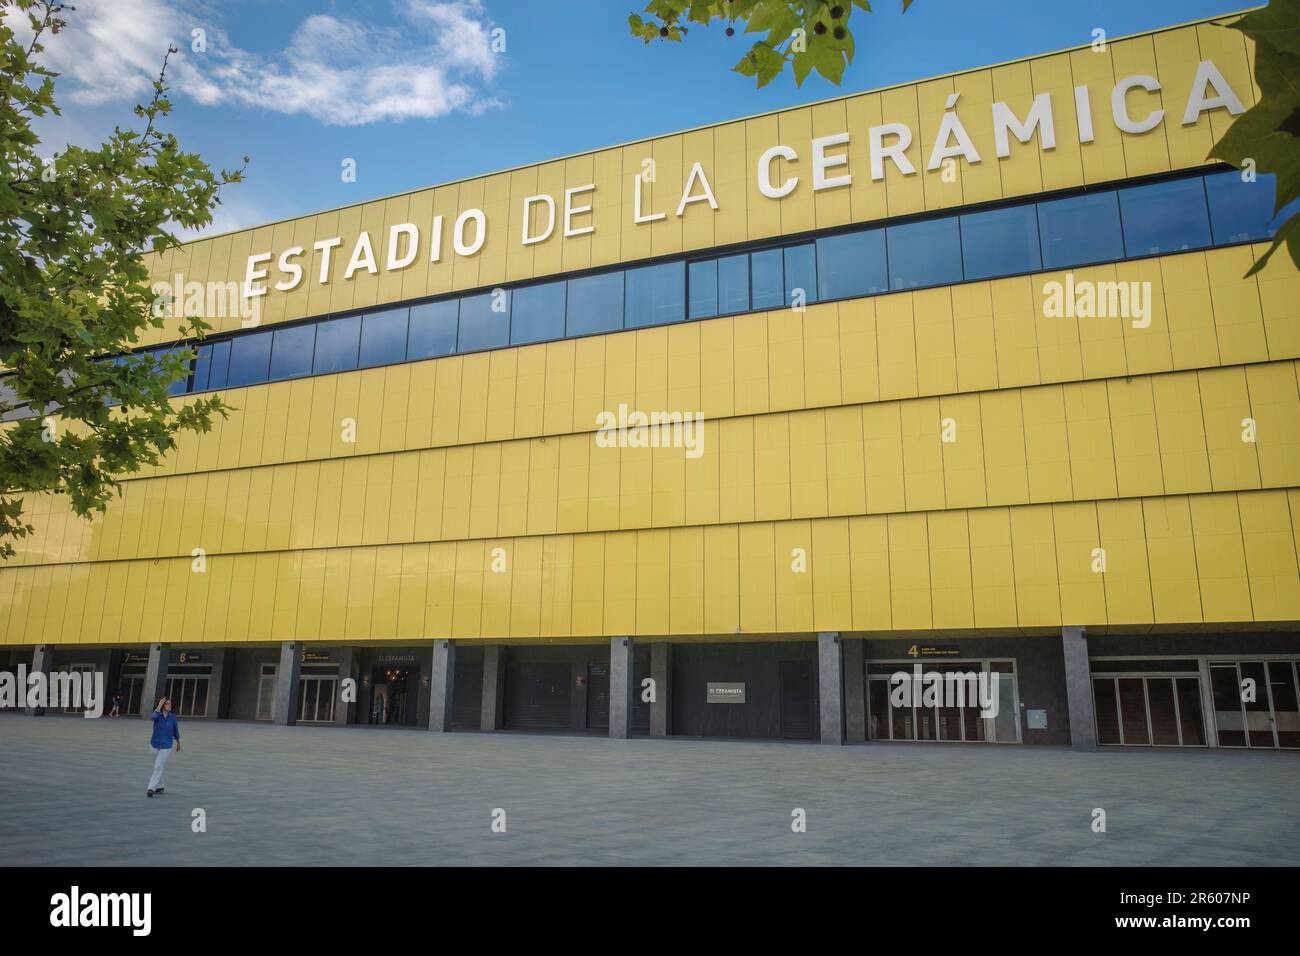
(1270, 556)
(1062, 166)
(730, 185)
(833, 206)
(1021, 172)
(1147, 152)
(1220, 558)
(669, 176)
(951, 593)
(867, 196)
(758, 563)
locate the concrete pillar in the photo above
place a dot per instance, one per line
(345, 712)
(223, 665)
(424, 689)
(1078, 689)
(620, 686)
(855, 691)
(155, 677)
(442, 685)
(830, 683)
(286, 684)
(42, 657)
(494, 687)
(661, 708)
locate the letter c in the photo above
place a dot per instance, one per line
(765, 173)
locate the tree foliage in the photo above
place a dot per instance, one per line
(806, 34)
(81, 411)
(1267, 136)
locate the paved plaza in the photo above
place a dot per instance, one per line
(72, 793)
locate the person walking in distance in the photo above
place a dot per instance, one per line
(165, 731)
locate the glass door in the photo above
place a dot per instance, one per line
(1256, 703)
(316, 698)
(189, 695)
(1283, 684)
(1229, 720)
(1005, 727)
(1259, 709)
(952, 719)
(1148, 710)
(317, 690)
(187, 686)
(132, 687)
(266, 692)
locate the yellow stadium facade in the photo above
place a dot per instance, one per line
(715, 433)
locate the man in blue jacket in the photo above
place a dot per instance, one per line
(165, 731)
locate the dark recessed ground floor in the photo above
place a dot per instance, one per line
(1198, 690)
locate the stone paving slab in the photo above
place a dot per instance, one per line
(72, 793)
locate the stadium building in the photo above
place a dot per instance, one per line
(712, 433)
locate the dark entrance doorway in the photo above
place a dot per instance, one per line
(394, 694)
(467, 693)
(796, 700)
(598, 697)
(538, 696)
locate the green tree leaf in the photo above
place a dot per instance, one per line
(1266, 138)
(827, 42)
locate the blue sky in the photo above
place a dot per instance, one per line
(411, 90)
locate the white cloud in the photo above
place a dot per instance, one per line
(434, 60)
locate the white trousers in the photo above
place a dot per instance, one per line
(159, 762)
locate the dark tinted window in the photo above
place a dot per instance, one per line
(655, 295)
(924, 253)
(212, 365)
(1164, 217)
(595, 304)
(1239, 211)
(767, 279)
(336, 344)
(801, 273)
(250, 358)
(433, 329)
(1080, 230)
(291, 351)
(202, 368)
(702, 284)
(537, 313)
(383, 337)
(733, 284)
(1000, 242)
(852, 264)
(484, 321)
